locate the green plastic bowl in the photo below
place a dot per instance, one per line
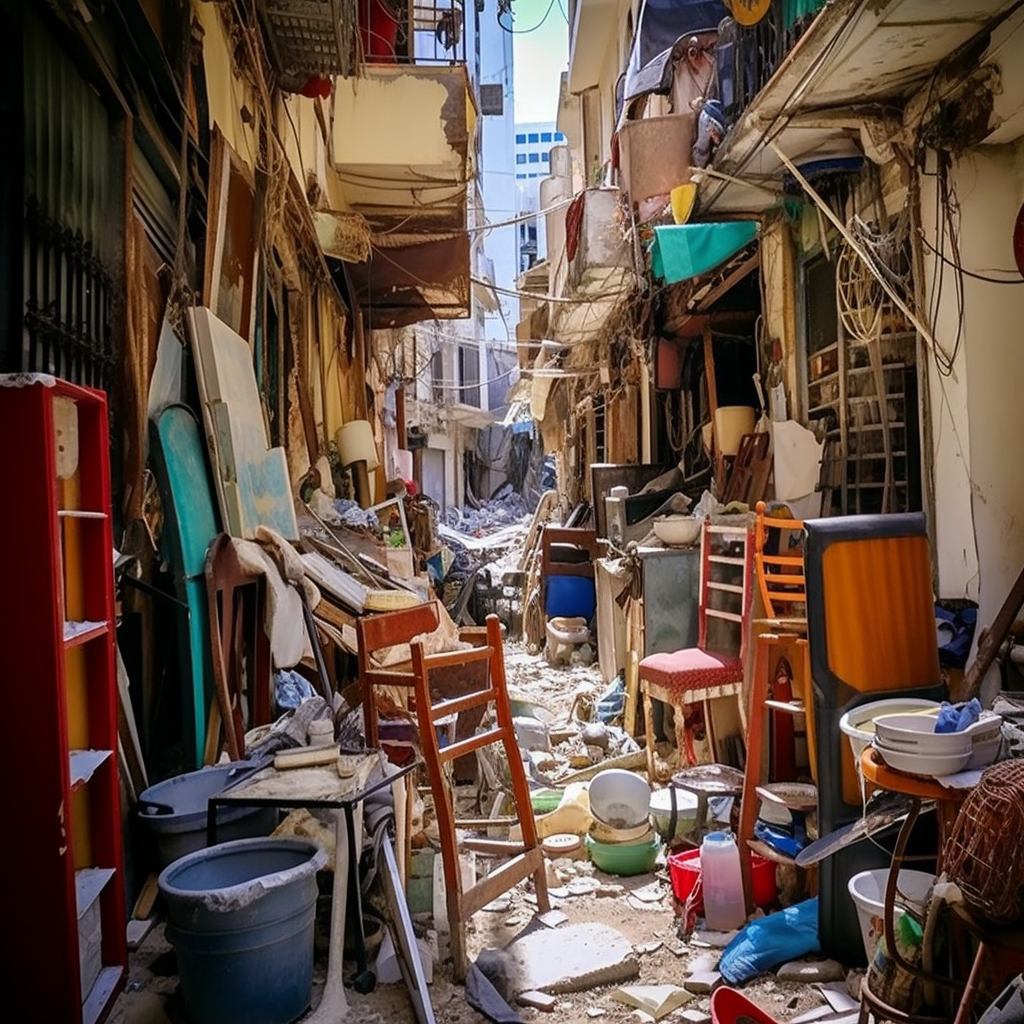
(624, 858)
(545, 800)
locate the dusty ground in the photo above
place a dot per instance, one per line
(647, 923)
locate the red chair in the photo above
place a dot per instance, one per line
(714, 668)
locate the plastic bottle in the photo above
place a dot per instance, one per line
(725, 908)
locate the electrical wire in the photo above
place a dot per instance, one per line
(973, 273)
(516, 293)
(524, 31)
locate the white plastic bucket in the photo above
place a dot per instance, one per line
(867, 890)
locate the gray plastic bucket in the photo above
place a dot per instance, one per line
(174, 812)
(240, 916)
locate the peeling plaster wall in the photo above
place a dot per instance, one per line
(362, 106)
(227, 94)
(978, 418)
(778, 272)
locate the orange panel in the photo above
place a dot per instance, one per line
(894, 600)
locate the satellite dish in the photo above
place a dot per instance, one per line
(748, 12)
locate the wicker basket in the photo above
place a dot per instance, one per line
(984, 855)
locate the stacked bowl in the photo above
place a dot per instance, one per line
(909, 743)
(621, 840)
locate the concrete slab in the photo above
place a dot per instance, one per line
(572, 958)
(702, 982)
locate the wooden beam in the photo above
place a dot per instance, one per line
(709, 379)
(744, 270)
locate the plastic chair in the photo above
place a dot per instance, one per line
(697, 675)
(871, 628)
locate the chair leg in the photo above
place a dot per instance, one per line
(752, 769)
(445, 812)
(963, 1013)
(649, 732)
(520, 787)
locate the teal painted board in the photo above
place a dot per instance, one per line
(252, 481)
(190, 524)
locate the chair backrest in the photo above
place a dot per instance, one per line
(779, 563)
(375, 632)
(726, 584)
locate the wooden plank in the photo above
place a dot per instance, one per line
(496, 847)
(147, 897)
(305, 757)
(500, 881)
(712, 388)
(334, 614)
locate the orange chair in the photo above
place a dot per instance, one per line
(714, 668)
(779, 570)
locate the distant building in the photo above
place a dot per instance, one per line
(533, 142)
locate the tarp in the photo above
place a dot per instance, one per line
(682, 251)
(662, 22)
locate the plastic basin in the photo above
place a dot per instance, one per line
(620, 798)
(858, 723)
(867, 890)
(624, 858)
(684, 870)
(173, 812)
(240, 916)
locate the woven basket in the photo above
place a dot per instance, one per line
(984, 855)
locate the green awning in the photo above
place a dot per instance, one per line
(682, 251)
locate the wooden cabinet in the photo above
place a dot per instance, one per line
(64, 849)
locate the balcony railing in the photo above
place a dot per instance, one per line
(748, 57)
(313, 38)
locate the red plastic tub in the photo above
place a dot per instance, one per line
(684, 870)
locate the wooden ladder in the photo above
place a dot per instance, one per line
(527, 857)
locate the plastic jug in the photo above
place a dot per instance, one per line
(725, 909)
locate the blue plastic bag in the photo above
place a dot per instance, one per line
(952, 718)
(772, 940)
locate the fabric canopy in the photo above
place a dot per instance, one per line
(682, 251)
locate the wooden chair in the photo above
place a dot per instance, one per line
(527, 857)
(708, 671)
(376, 632)
(459, 683)
(239, 646)
(779, 571)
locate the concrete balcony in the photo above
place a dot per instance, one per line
(603, 260)
(402, 145)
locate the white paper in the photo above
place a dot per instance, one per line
(797, 460)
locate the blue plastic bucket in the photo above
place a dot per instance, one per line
(571, 597)
(240, 916)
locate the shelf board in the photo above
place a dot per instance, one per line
(870, 369)
(89, 883)
(100, 994)
(766, 851)
(84, 763)
(795, 707)
(75, 513)
(824, 378)
(76, 633)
